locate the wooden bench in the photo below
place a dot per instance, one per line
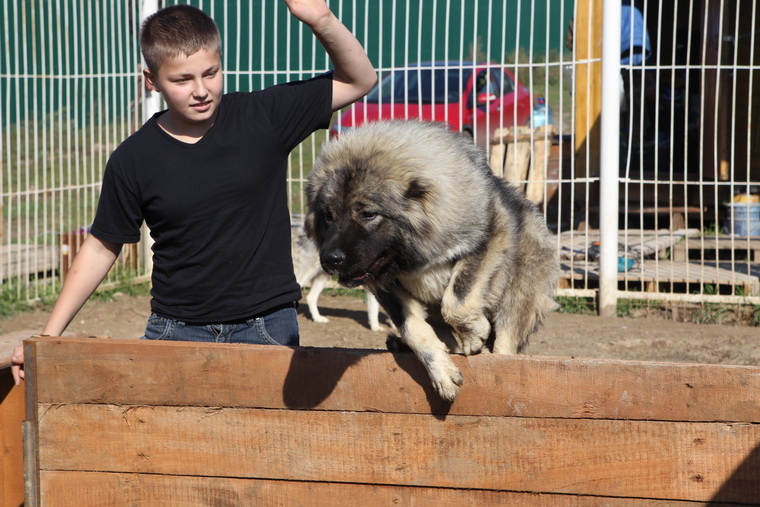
(718, 243)
(166, 423)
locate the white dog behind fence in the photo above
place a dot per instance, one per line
(309, 273)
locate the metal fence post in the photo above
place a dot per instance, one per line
(151, 104)
(609, 159)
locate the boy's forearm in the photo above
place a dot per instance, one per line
(90, 266)
(354, 74)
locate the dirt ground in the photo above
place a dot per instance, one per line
(648, 339)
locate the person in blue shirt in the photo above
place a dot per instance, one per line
(635, 47)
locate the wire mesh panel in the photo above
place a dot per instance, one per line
(690, 157)
(689, 161)
(69, 96)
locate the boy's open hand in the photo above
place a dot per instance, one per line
(17, 364)
(309, 12)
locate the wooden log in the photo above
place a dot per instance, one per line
(542, 143)
(498, 152)
(518, 157)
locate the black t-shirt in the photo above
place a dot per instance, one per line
(217, 209)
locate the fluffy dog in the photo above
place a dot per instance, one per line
(311, 274)
(460, 260)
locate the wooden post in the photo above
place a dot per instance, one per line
(587, 45)
(542, 143)
(498, 151)
(518, 156)
(11, 448)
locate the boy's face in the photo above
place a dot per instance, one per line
(192, 88)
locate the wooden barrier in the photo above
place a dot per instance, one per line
(11, 452)
(113, 422)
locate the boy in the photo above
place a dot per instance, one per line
(208, 176)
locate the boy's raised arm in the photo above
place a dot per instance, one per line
(354, 74)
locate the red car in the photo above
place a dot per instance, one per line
(472, 98)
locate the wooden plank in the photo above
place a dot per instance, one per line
(23, 259)
(74, 489)
(517, 159)
(587, 46)
(31, 465)
(74, 370)
(640, 459)
(9, 342)
(30, 433)
(498, 152)
(11, 450)
(542, 143)
(574, 244)
(663, 271)
(718, 243)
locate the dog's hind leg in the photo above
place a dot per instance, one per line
(317, 286)
(515, 323)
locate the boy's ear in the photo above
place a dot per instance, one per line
(151, 82)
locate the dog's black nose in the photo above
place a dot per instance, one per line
(333, 260)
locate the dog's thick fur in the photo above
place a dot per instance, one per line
(460, 260)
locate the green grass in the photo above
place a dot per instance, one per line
(11, 304)
(576, 305)
(626, 308)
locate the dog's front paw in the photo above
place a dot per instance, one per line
(320, 319)
(447, 381)
(471, 331)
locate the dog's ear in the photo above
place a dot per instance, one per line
(417, 190)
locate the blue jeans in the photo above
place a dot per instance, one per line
(280, 327)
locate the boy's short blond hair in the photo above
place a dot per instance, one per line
(177, 30)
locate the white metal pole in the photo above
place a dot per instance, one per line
(151, 104)
(609, 158)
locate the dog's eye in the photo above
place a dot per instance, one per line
(328, 217)
(368, 216)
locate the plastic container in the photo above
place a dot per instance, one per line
(542, 114)
(743, 219)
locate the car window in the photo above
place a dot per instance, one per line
(503, 82)
(421, 85)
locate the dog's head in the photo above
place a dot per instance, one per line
(368, 204)
(392, 197)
